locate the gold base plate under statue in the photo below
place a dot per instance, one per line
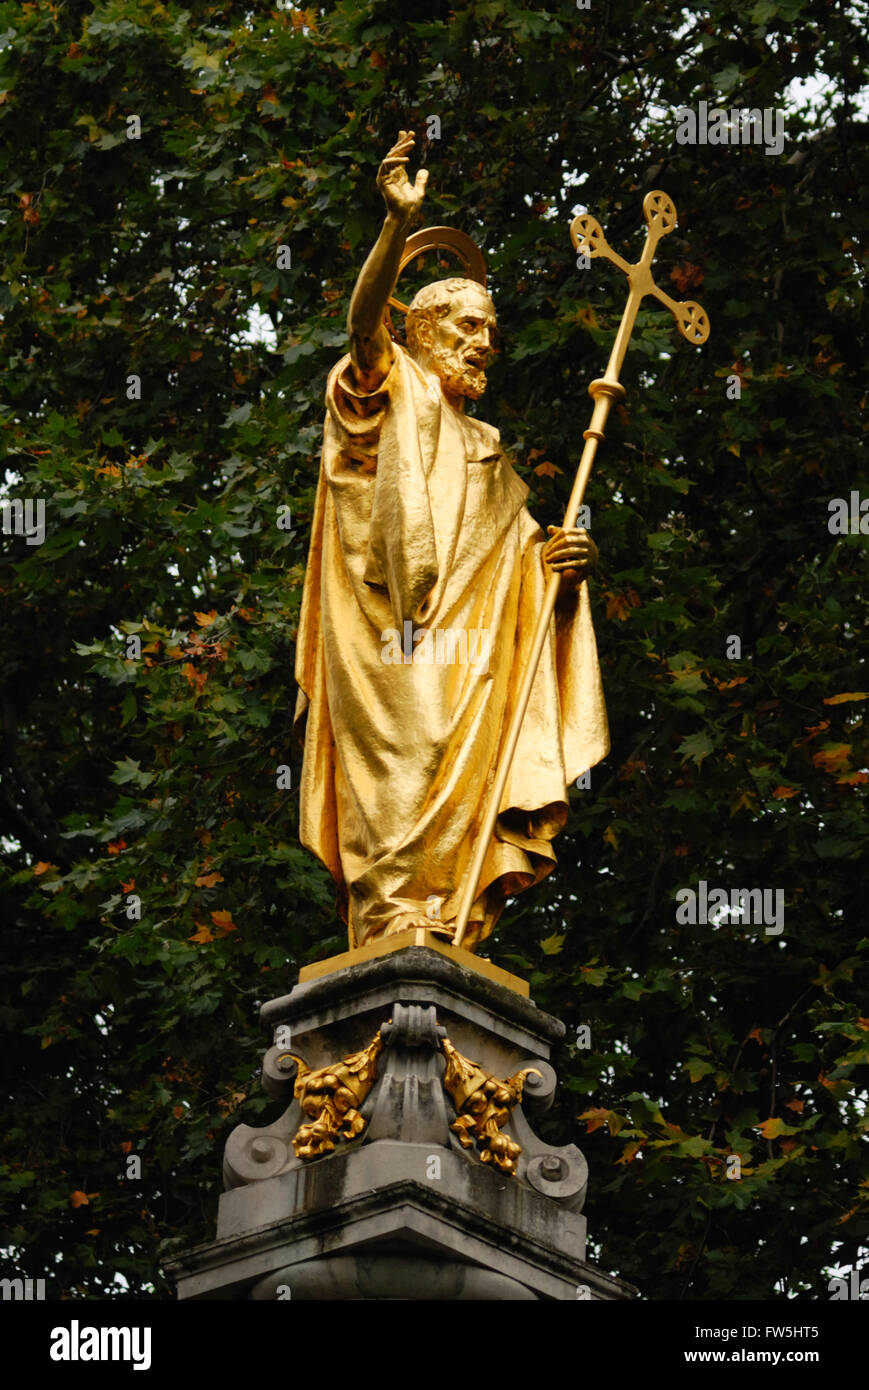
(415, 936)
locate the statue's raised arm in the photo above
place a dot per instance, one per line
(370, 344)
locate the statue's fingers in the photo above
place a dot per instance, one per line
(404, 141)
(399, 151)
(420, 181)
(569, 558)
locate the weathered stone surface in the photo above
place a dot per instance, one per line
(377, 1200)
(402, 1209)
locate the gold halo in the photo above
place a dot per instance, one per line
(442, 238)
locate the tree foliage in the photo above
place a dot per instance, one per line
(148, 769)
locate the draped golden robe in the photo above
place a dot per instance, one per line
(420, 527)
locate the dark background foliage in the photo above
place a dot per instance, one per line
(155, 774)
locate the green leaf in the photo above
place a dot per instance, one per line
(696, 747)
(551, 945)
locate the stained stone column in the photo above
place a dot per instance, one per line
(404, 1166)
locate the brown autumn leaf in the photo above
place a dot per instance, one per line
(832, 757)
(812, 731)
(194, 677)
(631, 1151)
(209, 880)
(227, 1106)
(847, 696)
(595, 1118)
(773, 1127)
(223, 920)
(728, 685)
(304, 19)
(619, 605)
(202, 935)
(686, 277)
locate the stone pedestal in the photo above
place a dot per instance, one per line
(404, 1166)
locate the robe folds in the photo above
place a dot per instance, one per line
(424, 581)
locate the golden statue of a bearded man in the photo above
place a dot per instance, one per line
(425, 576)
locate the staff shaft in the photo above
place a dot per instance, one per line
(604, 391)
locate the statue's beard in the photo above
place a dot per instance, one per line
(457, 375)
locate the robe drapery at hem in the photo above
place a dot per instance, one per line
(424, 581)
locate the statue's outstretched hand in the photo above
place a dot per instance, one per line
(572, 554)
(402, 198)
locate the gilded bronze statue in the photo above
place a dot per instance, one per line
(425, 583)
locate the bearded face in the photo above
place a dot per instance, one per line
(458, 346)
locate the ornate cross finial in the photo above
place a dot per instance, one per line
(588, 238)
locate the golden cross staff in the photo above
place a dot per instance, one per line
(588, 239)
